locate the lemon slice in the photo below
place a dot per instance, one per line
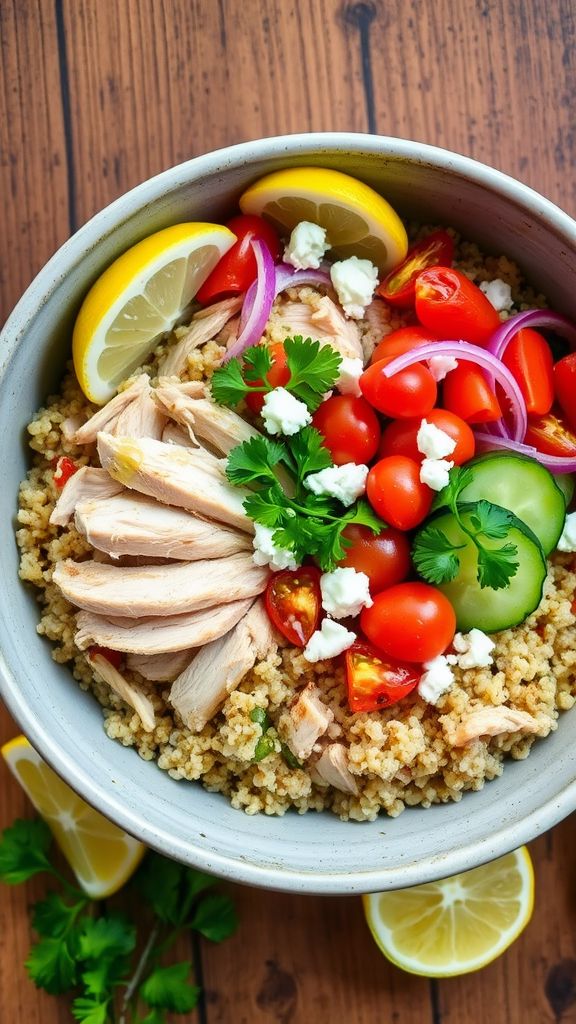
(358, 221)
(138, 299)
(101, 855)
(457, 925)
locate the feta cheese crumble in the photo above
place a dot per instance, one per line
(474, 649)
(567, 540)
(354, 281)
(435, 473)
(266, 551)
(440, 366)
(328, 641)
(345, 592)
(307, 246)
(284, 414)
(498, 293)
(345, 482)
(433, 442)
(350, 372)
(436, 680)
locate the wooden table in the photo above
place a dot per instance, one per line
(99, 94)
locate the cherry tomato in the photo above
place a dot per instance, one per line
(450, 304)
(399, 437)
(374, 683)
(277, 376)
(396, 493)
(410, 622)
(410, 392)
(565, 387)
(350, 429)
(237, 268)
(550, 435)
(114, 657)
(529, 359)
(65, 468)
(468, 395)
(435, 250)
(385, 558)
(403, 340)
(294, 601)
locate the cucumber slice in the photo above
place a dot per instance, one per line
(487, 609)
(565, 481)
(523, 486)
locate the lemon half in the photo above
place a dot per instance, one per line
(458, 924)
(358, 221)
(138, 299)
(101, 855)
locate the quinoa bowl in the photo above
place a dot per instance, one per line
(312, 852)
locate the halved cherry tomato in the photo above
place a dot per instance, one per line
(403, 340)
(374, 683)
(65, 468)
(399, 437)
(529, 359)
(410, 622)
(384, 557)
(237, 269)
(468, 395)
(450, 304)
(294, 602)
(114, 657)
(350, 428)
(277, 376)
(396, 493)
(550, 435)
(435, 250)
(565, 387)
(410, 392)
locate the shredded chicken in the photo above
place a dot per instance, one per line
(220, 667)
(206, 324)
(142, 418)
(141, 704)
(160, 668)
(220, 428)
(323, 321)
(305, 722)
(493, 722)
(106, 417)
(86, 484)
(70, 425)
(331, 769)
(173, 434)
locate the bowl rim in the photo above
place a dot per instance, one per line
(507, 836)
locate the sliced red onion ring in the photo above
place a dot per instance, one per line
(288, 277)
(472, 354)
(257, 302)
(530, 318)
(555, 463)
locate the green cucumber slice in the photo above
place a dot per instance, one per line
(487, 609)
(565, 481)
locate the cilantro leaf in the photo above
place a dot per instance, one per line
(253, 461)
(459, 478)
(215, 917)
(227, 385)
(434, 556)
(170, 888)
(313, 369)
(309, 453)
(90, 1010)
(106, 937)
(53, 917)
(362, 514)
(268, 507)
(51, 966)
(491, 520)
(24, 850)
(168, 988)
(496, 566)
(257, 363)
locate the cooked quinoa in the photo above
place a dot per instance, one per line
(401, 756)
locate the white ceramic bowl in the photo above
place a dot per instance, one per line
(309, 853)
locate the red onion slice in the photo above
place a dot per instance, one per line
(555, 463)
(288, 277)
(530, 318)
(472, 354)
(257, 302)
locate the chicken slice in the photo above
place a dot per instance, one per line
(107, 416)
(136, 591)
(323, 321)
(142, 418)
(305, 722)
(173, 434)
(141, 704)
(70, 425)
(160, 668)
(206, 324)
(159, 635)
(493, 722)
(87, 483)
(220, 667)
(332, 769)
(221, 428)
(186, 477)
(132, 524)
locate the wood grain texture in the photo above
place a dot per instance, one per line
(95, 96)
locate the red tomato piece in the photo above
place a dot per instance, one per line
(294, 601)
(385, 558)
(399, 437)
(277, 376)
(529, 359)
(410, 622)
(403, 340)
(396, 493)
(450, 304)
(565, 387)
(65, 468)
(350, 428)
(374, 683)
(237, 269)
(398, 288)
(468, 395)
(114, 657)
(550, 435)
(410, 392)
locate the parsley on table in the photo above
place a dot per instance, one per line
(90, 951)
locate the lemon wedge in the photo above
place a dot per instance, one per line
(101, 855)
(457, 925)
(358, 221)
(138, 299)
